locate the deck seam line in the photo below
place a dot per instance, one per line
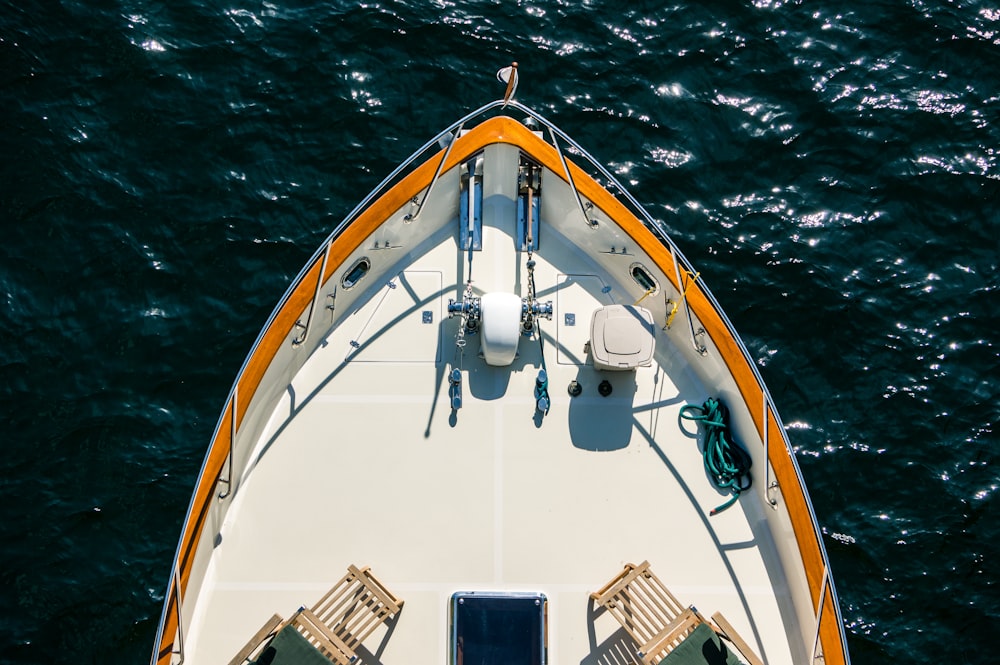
(497, 495)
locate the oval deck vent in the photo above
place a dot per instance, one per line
(643, 278)
(356, 273)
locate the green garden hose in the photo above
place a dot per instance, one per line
(725, 461)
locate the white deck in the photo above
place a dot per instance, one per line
(364, 462)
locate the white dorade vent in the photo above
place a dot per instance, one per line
(501, 328)
(622, 337)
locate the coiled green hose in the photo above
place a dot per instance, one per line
(725, 461)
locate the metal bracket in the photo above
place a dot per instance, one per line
(529, 189)
(414, 209)
(470, 200)
(771, 488)
(700, 348)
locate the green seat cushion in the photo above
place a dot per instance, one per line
(289, 647)
(702, 647)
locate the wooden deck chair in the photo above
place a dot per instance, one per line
(259, 640)
(659, 624)
(348, 614)
(334, 627)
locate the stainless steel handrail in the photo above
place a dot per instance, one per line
(298, 341)
(437, 174)
(228, 480)
(769, 485)
(180, 614)
(572, 185)
(819, 612)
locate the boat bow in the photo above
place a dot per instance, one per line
(474, 217)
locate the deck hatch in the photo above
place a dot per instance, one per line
(397, 323)
(495, 628)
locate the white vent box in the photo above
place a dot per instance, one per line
(622, 337)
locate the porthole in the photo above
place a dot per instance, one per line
(643, 278)
(356, 273)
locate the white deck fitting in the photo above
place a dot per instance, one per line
(364, 462)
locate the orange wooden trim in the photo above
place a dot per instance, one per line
(507, 130)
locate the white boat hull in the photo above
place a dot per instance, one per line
(347, 449)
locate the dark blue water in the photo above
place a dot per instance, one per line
(831, 168)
